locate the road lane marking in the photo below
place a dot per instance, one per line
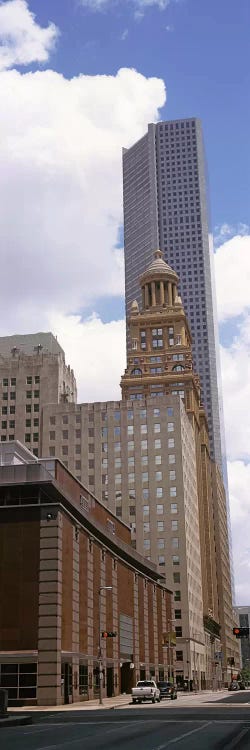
(234, 743)
(183, 736)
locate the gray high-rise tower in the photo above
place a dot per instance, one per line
(166, 206)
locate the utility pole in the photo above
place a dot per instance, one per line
(101, 588)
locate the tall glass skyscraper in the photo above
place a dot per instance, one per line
(166, 207)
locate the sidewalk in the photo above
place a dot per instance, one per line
(122, 701)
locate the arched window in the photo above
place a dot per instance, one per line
(136, 371)
(178, 368)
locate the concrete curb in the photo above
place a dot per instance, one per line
(15, 721)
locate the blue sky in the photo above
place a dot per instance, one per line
(199, 48)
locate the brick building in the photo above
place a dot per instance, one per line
(59, 550)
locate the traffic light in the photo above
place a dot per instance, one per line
(241, 632)
(108, 634)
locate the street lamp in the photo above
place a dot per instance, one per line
(101, 588)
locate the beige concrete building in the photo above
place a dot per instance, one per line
(32, 373)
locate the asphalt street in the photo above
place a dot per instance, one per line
(225, 725)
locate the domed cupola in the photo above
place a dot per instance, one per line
(158, 283)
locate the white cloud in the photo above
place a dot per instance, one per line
(239, 482)
(232, 269)
(140, 5)
(60, 192)
(124, 35)
(22, 40)
(97, 353)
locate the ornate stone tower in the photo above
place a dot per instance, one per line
(160, 357)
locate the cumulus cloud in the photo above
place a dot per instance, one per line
(232, 268)
(232, 273)
(22, 40)
(97, 353)
(239, 480)
(60, 193)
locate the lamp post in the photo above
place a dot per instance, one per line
(101, 588)
(170, 622)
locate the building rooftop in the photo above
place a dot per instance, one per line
(30, 343)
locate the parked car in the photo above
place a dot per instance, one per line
(242, 685)
(167, 690)
(145, 690)
(234, 685)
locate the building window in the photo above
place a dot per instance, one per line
(173, 492)
(144, 445)
(117, 447)
(178, 631)
(159, 510)
(65, 434)
(161, 560)
(52, 420)
(171, 443)
(160, 543)
(36, 394)
(64, 450)
(157, 427)
(146, 510)
(37, 379)
(158, 476)
(5, 396)
(130, 429)
(170, 426)
(175, 542)
(131, 478)
(131, 445)
(28, 408)
(158, 460)
(4, 425)
(177, 614)
(144, 460)
(144, 476)
(157, 444)
(179, 655)
(52, 435)
(118, 463)
(143, 414)
(159, 491)
(174, 525)
(78, 434)
(176, 577)
(13, 395)
(4, 410)
(36, 407)
(146, 527)
(27, 437)
(117, 431)
(28, 394)
(145, 493)
(132, 510)
(13, 381)
(12, 424)
(175, 559)
(52, 451)
(118, 478)
(177, 596)
(171, 458)
(29, 380)
(146, 543)
(144, 429)
(156, 412)
(172, 475)
(160, 525)
(36, 422)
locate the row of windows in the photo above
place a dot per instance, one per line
(12, 410)
(6, 382)
(64, 419)
(160, 526)
(159, 509)
(161, 543)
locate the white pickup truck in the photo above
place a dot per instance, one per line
(145, 690)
